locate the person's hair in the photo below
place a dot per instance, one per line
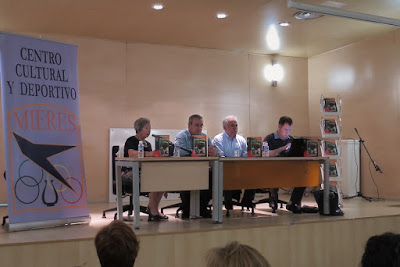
(140, 123)
(116, 245)
(194, 116)
(235, 254)
(285, 119)
(227, 119)
(382, 250)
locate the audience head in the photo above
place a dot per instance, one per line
(235, 254)
(382, 250)
(230, 126)
(284, 127)
(142, 126)
(195, 124)
(116, 245)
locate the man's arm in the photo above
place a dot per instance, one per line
(277, 151)
(243, 145)
(217, 142)
(212, 151)
(182, 139)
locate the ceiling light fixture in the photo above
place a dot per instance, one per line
(304, 15)
(284, 24)
(158, 6)
(221, 15)
(343, 13)
(273, 73)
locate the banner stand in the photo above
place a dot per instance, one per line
(46, 185)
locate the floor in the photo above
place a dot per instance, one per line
(353, 208)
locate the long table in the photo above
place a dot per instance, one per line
(272, 172)
(167, 174)
(186, 173)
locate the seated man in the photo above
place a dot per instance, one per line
(184, 137)
(279, 142)
(230, 144)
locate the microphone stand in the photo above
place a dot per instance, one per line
(373, 162)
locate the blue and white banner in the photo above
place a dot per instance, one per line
(42, 132)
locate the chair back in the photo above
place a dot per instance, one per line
(114, 152)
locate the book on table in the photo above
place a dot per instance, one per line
(199, 145)
(162, 146)
(254, 146)
(312, 147)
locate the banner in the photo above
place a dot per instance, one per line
(42, 132)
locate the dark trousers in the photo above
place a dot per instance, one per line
(297, 195)
(295, 198)
(205, 197)
(247, 200)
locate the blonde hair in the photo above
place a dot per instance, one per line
(235, 254)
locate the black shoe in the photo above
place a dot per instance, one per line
(154, 218)
(309, 209)
(163, 217)
(293, 207)
(205, 214)
(185, 215)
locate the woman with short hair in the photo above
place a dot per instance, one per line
(143, 129)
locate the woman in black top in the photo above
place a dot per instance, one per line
(143, 128)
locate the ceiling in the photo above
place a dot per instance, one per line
(193, 23)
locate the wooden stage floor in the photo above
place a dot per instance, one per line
(182, 238)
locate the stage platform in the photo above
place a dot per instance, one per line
(285, 239)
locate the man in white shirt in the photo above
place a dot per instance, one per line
(230, 144)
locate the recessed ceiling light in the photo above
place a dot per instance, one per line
(221, 15)
(284, 24)
(158, 6)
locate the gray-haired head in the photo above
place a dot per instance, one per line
(140, 123)
(228, 119)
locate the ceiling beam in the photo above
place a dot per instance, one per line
(343, 13)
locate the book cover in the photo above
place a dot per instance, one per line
(254, 147)
(312, 148)
(199, 146)
(333, 169)
(330, 148)
(162, 145)
(330, 126)
(330, 105)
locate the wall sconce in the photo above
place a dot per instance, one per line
(273, 73)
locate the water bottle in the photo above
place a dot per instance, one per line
(236, 151)
(265, 151)
(177, 147)
(140, 150)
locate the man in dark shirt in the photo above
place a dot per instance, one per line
(279, 143)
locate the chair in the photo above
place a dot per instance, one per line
(269, 199)
(126, 188)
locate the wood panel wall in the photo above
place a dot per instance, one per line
(330, 243)
(120, 82)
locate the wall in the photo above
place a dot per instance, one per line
(366, 75)
(120, 82)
